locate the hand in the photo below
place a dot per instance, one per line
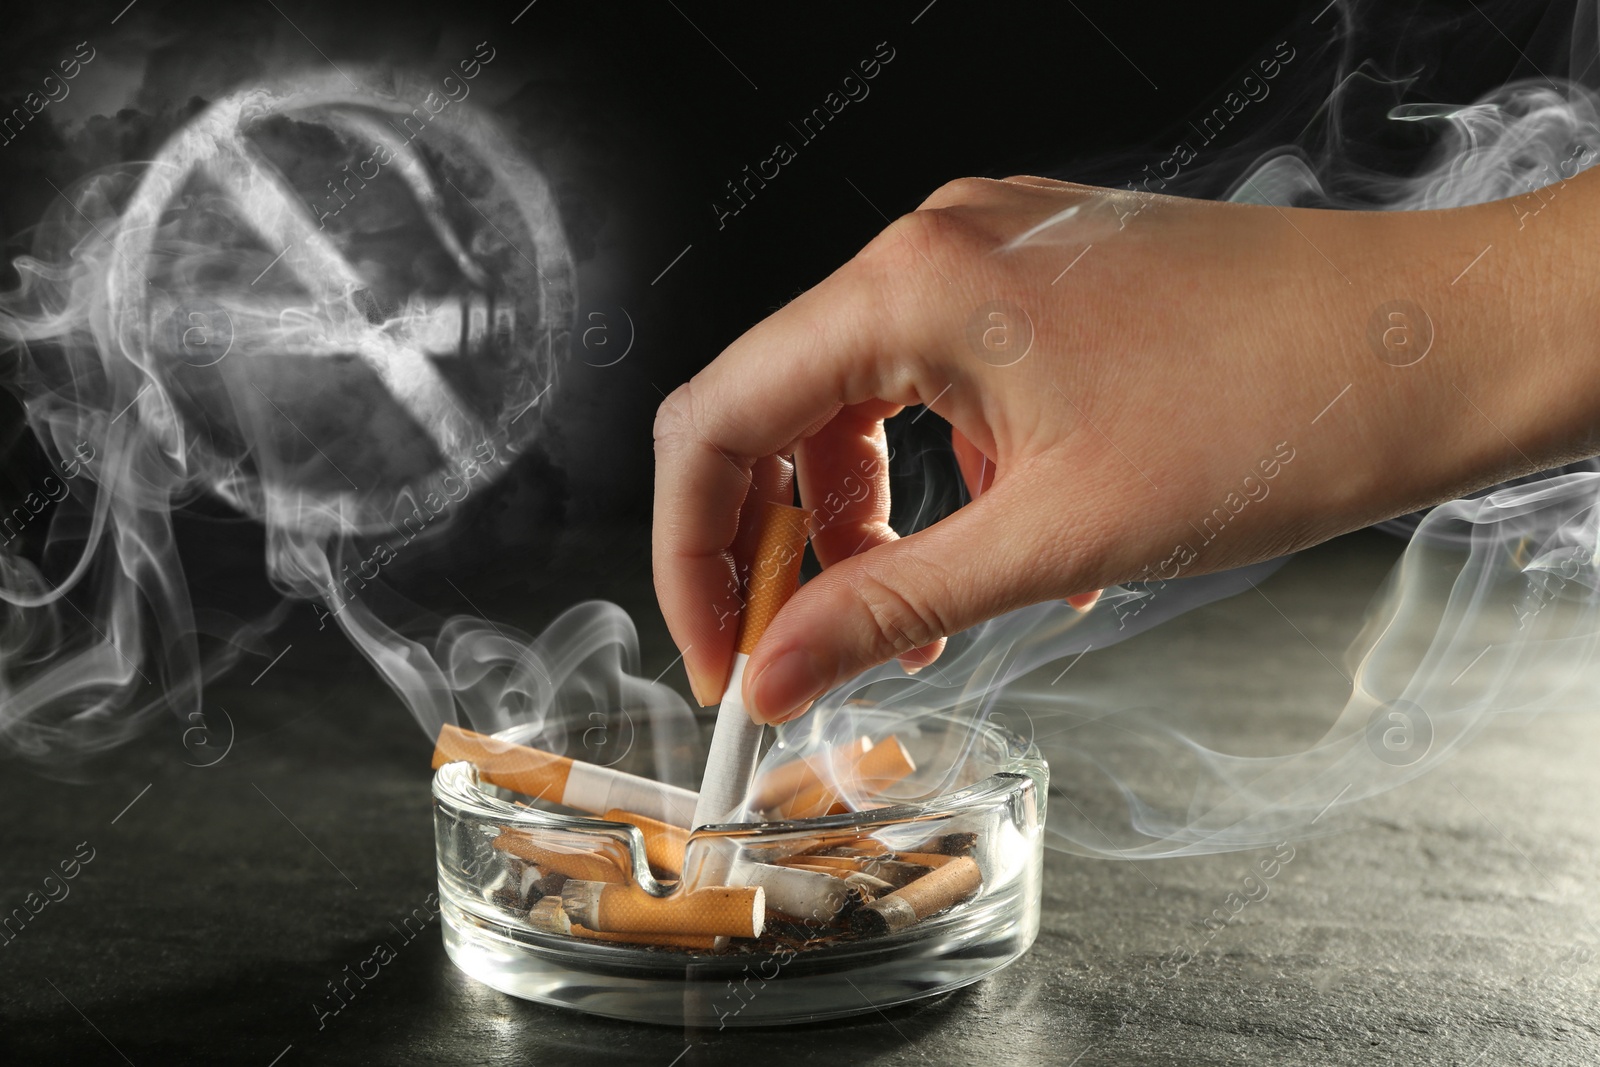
(1208, 385)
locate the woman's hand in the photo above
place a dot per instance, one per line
(1149, 386)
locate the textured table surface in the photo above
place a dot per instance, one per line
(1452, 921)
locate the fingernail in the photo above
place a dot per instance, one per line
(786, 686)
(911, 668)
(706, 691)
(1085, 601)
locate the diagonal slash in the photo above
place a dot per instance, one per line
(713, 44)
(1332, 402)
(674, 262)
(302, 433)
(1113, 44)
(132, 402)
(669, 666)
(903, 237)
(1474, 263)
(269, 666)
(1297, 629)
(1332, 802)
(302, 833)
(1473, 664)
(131, 803)
(1071, 665)
(90, 1021)
(877, 1009)
(929, 405)
(269, 266)
(1063, 274)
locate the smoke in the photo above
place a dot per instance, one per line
(339, 304)
(1493, 607)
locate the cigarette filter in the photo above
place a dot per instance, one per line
(907, 906)
(788, 780)
(736, 739)
(802, 894)
(560, 780)
(878, 768)
(663, 844)
(587, 864)
(732, 911)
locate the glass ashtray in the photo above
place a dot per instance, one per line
(903, 899)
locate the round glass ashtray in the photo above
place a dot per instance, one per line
(928, 882)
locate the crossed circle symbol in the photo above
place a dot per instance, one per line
(511, 331)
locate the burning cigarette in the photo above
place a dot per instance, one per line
(875, 770)
(550, 857)
(548, 916)
(731, 911)
(736, 739)
(787, 781)
(547, 776)
(907, 906)
(663, 844)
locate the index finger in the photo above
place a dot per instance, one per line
(780, 382)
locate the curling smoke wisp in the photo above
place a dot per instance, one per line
(341, 310)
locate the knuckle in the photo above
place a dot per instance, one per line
(675, 417)
(909, 246)
(902, 620)
(960, 191)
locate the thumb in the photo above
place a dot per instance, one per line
(990, 557)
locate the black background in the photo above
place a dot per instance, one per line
(209, 925)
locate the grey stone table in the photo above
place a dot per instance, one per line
(1452, 921)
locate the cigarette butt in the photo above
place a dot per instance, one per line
(523, 882)
(878, 768)
(891, 870)
(872, 887)
(560, 780)
(804, 895)
(736, 738)
(909, 905)
(589, 865)
(548, 916)
(733, 911)
(960, 843)
(925, 859)
(788, 780)
(663, 844)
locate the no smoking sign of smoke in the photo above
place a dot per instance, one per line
(343, 297)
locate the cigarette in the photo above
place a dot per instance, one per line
(802, 894)
(548, 916)
(787, 781)
(736, 739)
(558, 779)
(552, 858)
(961, 843)
(525, 881)
(889, 869)
(876, 769)
(663, 844)
(909, 905)
(731, 911)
